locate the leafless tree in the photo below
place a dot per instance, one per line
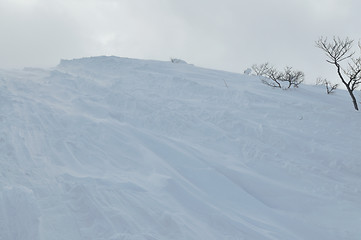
(293, 78)
(337, 51)
(274, 78)
(330, 87)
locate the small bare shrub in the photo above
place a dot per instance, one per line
(274, 78)
(330, 87)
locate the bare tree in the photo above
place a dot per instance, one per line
(337, 51)
(330, 87)
(274, 78)
(293, 78)
(267, 74)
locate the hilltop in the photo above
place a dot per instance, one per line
(113, 148)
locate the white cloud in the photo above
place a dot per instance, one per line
(229, 34)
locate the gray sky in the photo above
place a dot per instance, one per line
(228, 35)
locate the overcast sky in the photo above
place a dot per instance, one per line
(228, 35)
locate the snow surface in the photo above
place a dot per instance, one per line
(114, 148)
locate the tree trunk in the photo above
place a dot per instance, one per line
(350, 91)
(353, 99)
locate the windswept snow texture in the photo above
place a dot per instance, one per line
(112, 148)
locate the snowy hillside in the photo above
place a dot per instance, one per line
(110, 148)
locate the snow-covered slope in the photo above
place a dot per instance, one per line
(112, 148)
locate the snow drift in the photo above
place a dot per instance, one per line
(112, 148)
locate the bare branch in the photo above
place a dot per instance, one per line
(354, 73)
(262, 69)
(337, 50)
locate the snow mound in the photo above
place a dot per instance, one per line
(115, 148)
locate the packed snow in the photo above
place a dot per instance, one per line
(111, 148)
